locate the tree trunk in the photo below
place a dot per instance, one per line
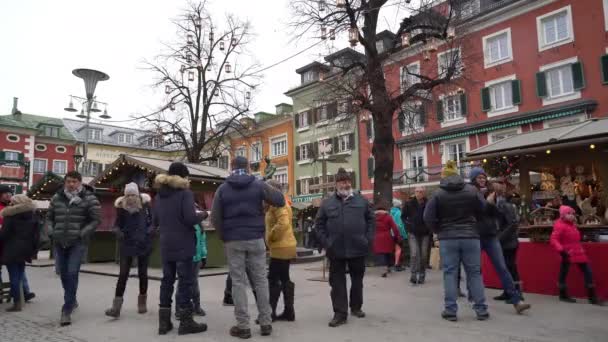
(384, 143)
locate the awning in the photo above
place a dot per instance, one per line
(592, 131)
(46, 186)
(301, 205)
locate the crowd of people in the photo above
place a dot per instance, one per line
(254, 219)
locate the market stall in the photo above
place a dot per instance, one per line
(565, 165)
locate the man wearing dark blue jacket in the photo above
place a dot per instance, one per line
(238, 216)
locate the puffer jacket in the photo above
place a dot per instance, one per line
(279, 232)
(508, 225)
(567, 238)
(396, 215)
(20, 233)
(201, 244)
(387, 233)
(135, 228)
(72, 222)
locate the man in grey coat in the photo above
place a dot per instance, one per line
(345, 228)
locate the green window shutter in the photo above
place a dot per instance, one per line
(18, 189)
(516, 91)
(604, 63)
(440, 110)
(335, 143)
(2, 155)
(463, 105)
(486, 103)
(541, 84)
(422, 115)
(368, 128)
(401, 121)
(297, 122)
(20, 157)
(298, 153)
(578, 77)
(298, 187)
(370, 167)
(351, 141)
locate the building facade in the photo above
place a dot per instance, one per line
(525, 65)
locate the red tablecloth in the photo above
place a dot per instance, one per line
(538, 266)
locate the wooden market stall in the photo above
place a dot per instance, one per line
(561, 165)
(204, 180)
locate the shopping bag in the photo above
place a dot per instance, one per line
(435, 259)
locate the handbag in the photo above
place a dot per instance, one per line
(435, 259)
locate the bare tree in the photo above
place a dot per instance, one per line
(361, 78)
(208, 76)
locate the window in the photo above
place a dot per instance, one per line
(40, 147)
(278, 146)
(152, 141)
(380, 46)
(256, 152)
(304, 186)
(50, 131)
(281, 176)
(223, 162)
(497, 48)
(60, 149)
(91, 168)
(321, 114)
(94, 134)
(559, 81)
(241, 152)
(555, 28)
(11, 155)
(303, 119)
(60, 167)
(455, 151)
(123, 138)
(305, 152)
(468, 8)
(449, 59)
(13, 137)
(325, 146)
(308, 76)
(408, 75)
(606, 13)
(411, 118)
(497, 136)
(502, 95)
(415, 165)
(451, 108)
(39, 165)
(344, 143)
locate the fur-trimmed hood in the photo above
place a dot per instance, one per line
(145, 199)
(175, 182)
(18, 209)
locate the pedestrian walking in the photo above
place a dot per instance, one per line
(419, 235)
(175, 215)
(386, 235)
(487, 227)
(73, 216)
(238, 215)
(133, 227)
(566, 240)
(199, 261)
(452, 214)
(401, 247)
(345, 228)
(281, 242)
(20, 235)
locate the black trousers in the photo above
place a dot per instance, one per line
(337, 281)
(184, 270)
(278, 272)
(510, 256)
(565, 268)
(389, 260)
(125, 269)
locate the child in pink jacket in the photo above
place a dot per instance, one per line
(566, 239)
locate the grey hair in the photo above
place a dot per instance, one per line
(275, 184)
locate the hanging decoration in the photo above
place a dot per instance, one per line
(502, 166)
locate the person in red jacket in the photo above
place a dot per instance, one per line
(387, 234)
(566, 239)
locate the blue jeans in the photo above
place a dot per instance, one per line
(467, 252)
(16, 270)
(184, 270)
(491, 246)
(68, 262)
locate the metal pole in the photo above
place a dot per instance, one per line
(86, 136)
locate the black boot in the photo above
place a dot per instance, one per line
(593, 296)
(274, 291)
(563, 294)
(227, 300)
(502, 296)
(288, 299)
(187, 325)
(164, 321)
(421, 278)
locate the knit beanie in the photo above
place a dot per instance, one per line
(178, 169)
(131, 189)
(449, 169)
(240, 162)
(476, 171)
(565, 210)
(342, 175)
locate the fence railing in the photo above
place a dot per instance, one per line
(426, 174)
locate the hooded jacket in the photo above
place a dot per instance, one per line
(387, 233)
(174, 213)
(20, 233)
(237, 212)
(279, 233)
(508, 224)
(135, 228)
(73, 221)
(453, 210)
(412, 217)
(567, 238)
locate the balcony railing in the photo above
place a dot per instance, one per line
(426, 174)
(473, 8)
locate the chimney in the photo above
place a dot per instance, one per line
(15, 103)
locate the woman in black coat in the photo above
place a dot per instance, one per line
(133, 228)
(20, 235)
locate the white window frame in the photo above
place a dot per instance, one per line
(457, 73)
(507, 110)
(12, 136)
(42, 147)
(486, 56)
(252, 152)
(308, 76)
(280, 172)
(406, 78)
(52, 129)
(12, 165)
(576, 94)
(606, 14)
(92, 132)
(46, 165)
(406, 161)
(542, 46)
(418, 127)
(304, 180)
(568, 120)
(57, 148)
(308, 153)
(322, 122)
(453, 122)
(241, 152)
(300, 127)
(491, 134)
(338, 149)
(444, 147)
(278, 138)
(60, 160)
(119, 136)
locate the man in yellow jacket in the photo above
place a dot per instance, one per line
(282, 244)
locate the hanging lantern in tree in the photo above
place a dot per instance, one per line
(222, 46)
(172, 106)
(182, 69)
(188, 58)
(426, 55)
(198, 22)
(211, 36)
(353, 36)
(190, 75)
(234, 41)
(432, 45)
(228, 68)
(248, 95)
(167, 89)
(451, 32)
(323, 32)
(321, 5)
(340, 3)
(332, 34)
(190, 39)
(405, 40)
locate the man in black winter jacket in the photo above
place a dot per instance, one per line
(419, 235)
(345, 228)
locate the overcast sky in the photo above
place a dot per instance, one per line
(42, 41)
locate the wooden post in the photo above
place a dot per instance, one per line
(524, 180)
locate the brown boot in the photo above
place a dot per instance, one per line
(141, 304)
(114, 311)
(521, 307)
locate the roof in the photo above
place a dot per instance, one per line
(46, 186)
(311, 66)
(385, 34)
(344, 52)
(545, 138)
(76, 127)
(33, 122)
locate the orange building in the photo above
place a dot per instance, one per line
(268, 135)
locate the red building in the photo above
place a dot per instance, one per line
(36, 144)
(526, 65)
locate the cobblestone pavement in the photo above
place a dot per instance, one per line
(395, 311)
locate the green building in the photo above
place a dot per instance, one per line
(325, 128)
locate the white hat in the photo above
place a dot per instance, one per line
(131, 189)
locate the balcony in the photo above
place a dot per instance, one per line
(473, 8)
(426, 174)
